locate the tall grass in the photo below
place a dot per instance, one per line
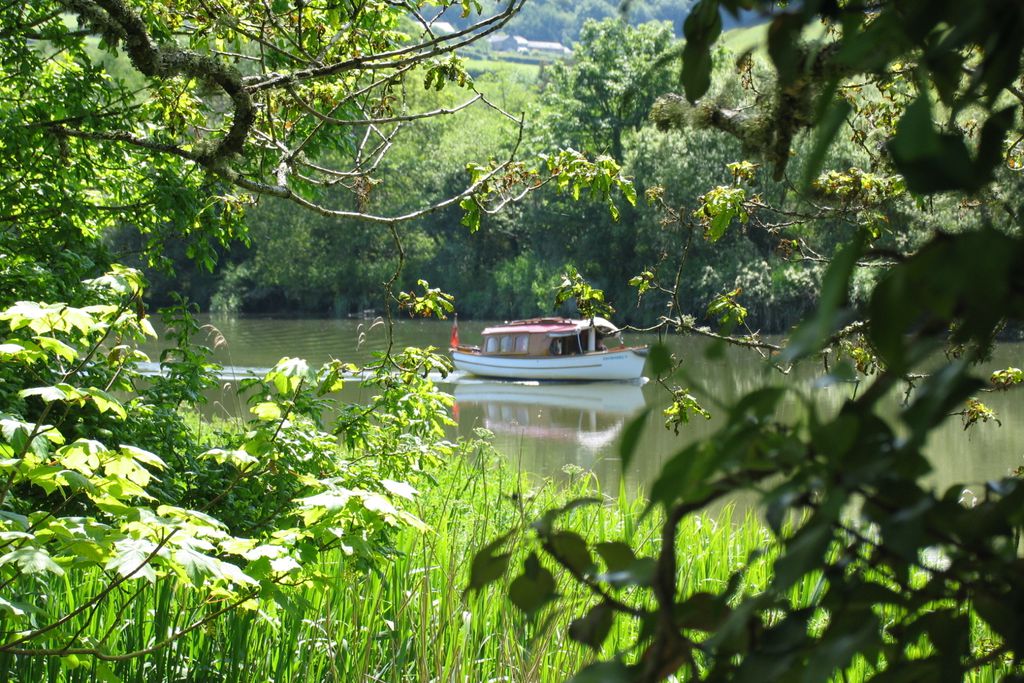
(408, 617)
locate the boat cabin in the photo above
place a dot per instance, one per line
(549, 337)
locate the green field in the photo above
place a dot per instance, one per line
(523, 70)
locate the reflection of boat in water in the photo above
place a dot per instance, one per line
(624, 398)
(551, 349)
(590, 414)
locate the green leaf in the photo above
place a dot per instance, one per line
(488, 565)
(686, 475)
(32, 560)
(719, 224)
(571, 549)
(57, 347)
(143, 456)
(938, 162)
(631, 437)
(831, 314)
(47, 394)
(130, 559)
(105, 403)
(268, 411)
(702, 27)
(660, 359)
(702, 612)
(236, 456)
(827, 130)
(847, 636)
(639, 572)
(104, 672)
(603, 672)
(803, 554)
(16, 609)
(593, 628)
(471, 214)
(544, 524)
(938, 395)
(617, 555)
(197, 565)
(400, 489)
(534, 588)
(784, 45)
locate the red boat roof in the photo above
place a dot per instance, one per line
(531, 327)
(559, 326)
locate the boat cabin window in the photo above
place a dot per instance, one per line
(507, 343)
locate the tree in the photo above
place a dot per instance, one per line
(911, 583)
(607, 89)
(170, 119)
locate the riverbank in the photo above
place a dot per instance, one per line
(407, 616)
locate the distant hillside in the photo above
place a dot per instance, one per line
(561, 20)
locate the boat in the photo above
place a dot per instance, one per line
(551, 349)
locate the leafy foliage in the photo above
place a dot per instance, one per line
(76, 505)
(118, 505)
(589, 301)
(901, 573)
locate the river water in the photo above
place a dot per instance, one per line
(543, 428)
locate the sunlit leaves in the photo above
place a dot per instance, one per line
(398, 488)
(742, 171)
(684, 405)
(237, 456)
(573, 173)
(727, 309)
(856, 185)
(976, 412)
(32, 560)
(643, 282)
(589, 300)
(450, 70)
(569, 171)
(1004, 379)
(49, 318)
(131, 558)
(470, 213)
(718, 207)
(431, 303)
(282, 477)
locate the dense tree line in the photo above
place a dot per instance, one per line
(598, 102)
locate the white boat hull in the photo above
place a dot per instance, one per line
(620, 364)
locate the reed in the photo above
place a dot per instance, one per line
(407, 617)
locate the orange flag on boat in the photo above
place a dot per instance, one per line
(454, 341)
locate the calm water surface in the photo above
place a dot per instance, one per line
(545, 427)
